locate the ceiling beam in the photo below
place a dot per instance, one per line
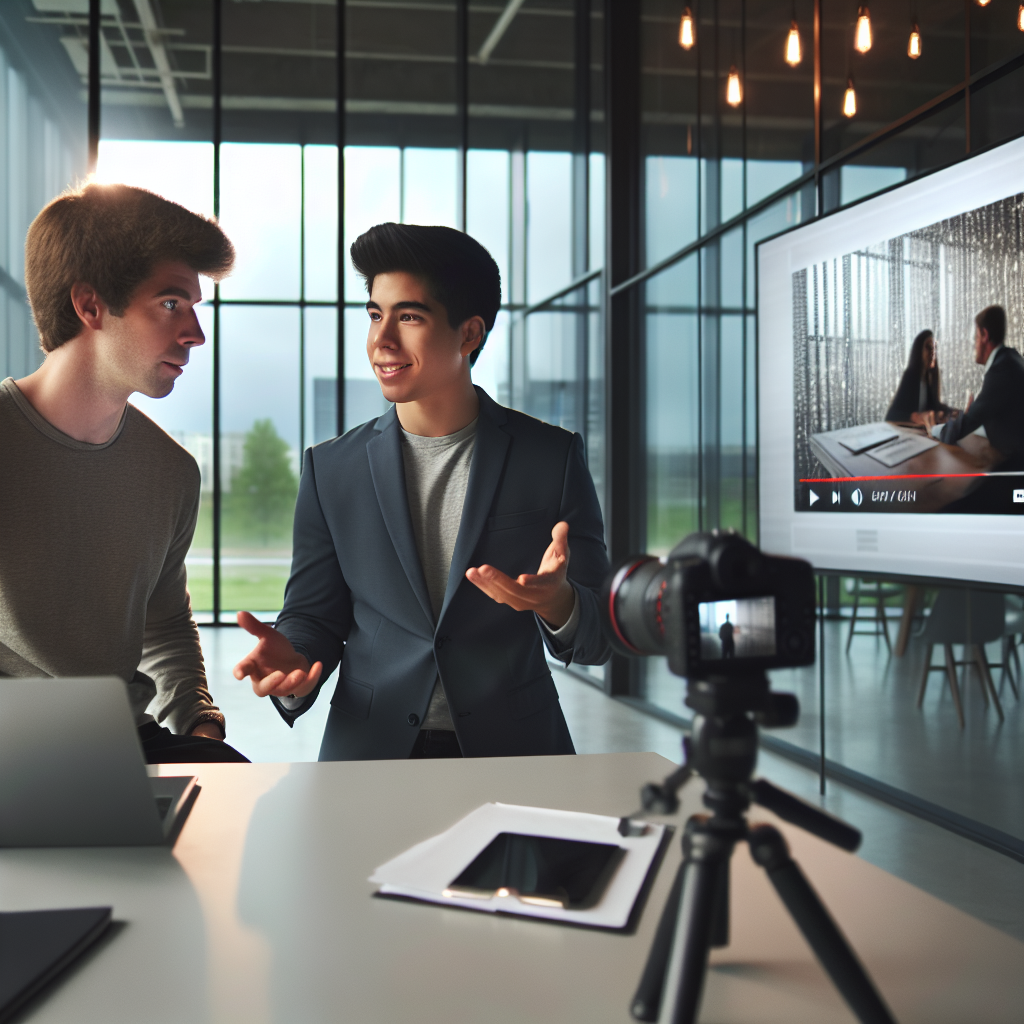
(154, 39)
(500, 27)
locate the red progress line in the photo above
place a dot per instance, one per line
(902, 476)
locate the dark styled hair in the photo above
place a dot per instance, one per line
(111, 237)
(929, 374)
(993, 320)
(458, 271)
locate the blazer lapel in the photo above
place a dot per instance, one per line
(387, 469)
(489, 454)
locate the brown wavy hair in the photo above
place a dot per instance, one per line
(111, 237)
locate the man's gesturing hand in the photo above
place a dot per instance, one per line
(548, 593)
(275, 667)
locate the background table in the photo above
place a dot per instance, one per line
(263, 913)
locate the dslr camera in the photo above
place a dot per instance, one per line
(716, 606)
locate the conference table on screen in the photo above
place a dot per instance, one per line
(973, 454)
(263, 913)
(941, 474)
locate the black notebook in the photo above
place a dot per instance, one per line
(36, 945)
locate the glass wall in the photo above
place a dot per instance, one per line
(720, 176)
(264, 160)
(485, 124)
(43, 144)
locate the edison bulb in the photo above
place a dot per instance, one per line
(733, 90)
(687, 32)
(862, 38)
(849, 100)
(914, 43)
(794, 53)
(1020, 18)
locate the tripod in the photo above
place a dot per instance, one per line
(722, 749)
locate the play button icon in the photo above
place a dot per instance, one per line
(814, 497)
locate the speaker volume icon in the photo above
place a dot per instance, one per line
(857, 497)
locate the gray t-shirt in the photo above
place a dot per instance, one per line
(436, 478)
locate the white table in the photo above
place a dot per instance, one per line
(263, 913)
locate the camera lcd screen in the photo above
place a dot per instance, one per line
(741, 628)
(568, 872)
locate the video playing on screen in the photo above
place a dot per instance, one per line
(891, 379)
(743, 628)
(898, 405)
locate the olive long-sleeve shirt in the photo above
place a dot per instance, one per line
(93, 540)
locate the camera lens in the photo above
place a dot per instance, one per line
(631, 604)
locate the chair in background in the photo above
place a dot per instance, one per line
(972, 618)
(865, 592)
(1013, 629)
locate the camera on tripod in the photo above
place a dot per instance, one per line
(723, 613)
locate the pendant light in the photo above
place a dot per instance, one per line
(862, 36)
(794, 53)
(733, 89)
(849, 100)
(1020, 18)
(687, 30)
(983, 3)
(914, 43)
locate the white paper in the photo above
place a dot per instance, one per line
(425, 870)
(860, 439)
(906, 447)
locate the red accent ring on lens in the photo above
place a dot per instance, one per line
(613, 592)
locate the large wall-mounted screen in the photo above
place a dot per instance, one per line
(891, 426)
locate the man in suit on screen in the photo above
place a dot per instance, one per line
(999, 409)
(432, 545)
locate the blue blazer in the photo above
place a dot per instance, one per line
(357, 593)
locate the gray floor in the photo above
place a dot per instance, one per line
(983, 883)
(873, 725)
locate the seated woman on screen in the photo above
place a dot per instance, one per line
(918, 398)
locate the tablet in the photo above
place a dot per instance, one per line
(540, 870)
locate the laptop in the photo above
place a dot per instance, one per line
(72, 771)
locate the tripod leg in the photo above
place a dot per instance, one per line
(705, 855)
(720, 920)
(648, 994)
(769, 849)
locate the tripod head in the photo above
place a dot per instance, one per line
(722, 749)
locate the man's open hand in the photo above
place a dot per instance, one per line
(548, 592)
(275, 667)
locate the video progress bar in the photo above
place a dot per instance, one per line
(902, 476)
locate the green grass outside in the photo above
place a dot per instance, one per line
(668, 524)
(258, 588)
(236, 529)
(254, 588)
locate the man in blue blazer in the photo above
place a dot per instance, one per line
(432, 545)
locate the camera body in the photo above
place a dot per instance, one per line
(716, 606)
